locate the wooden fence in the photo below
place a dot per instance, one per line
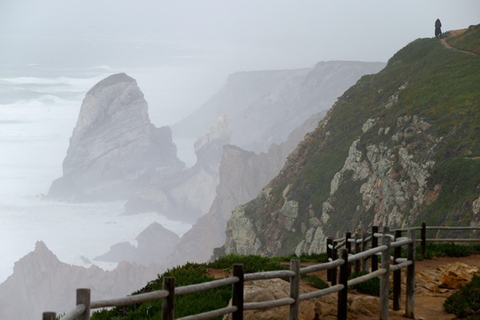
(340, 259)
(423, 235)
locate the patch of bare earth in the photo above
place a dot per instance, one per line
(436, 279)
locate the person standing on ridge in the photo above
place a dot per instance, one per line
(438, 30)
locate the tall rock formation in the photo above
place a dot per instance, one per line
(242, 175)
(263, 108)
(114, 150)
(188, 194)
(40, 282)
(398, 148)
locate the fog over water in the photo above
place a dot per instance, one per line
(180, 53)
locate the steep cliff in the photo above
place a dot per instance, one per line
(399, 147)
(188, 194)
(114, 149)
(253, 111)
(242, 175)
(263, 107)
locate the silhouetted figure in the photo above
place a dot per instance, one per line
(438, 30)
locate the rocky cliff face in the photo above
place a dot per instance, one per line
(242, 175)
(188, 194)
(390, 152)
(265, 106)
(254, 110)
(40, 282)
(114, 149)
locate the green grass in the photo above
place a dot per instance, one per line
(465, 303)
(460, 181)
(371, 287)
(193, 273)
(442, 90)
(448, 250)
(467, 41)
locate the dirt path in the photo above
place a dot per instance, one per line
(429, 297)
(429, 304)
(454, 33)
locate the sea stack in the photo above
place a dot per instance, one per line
(114, 150)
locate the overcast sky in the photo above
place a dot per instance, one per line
(211, 38)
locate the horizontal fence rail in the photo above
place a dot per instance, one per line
(342, 253)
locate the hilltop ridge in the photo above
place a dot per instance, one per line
(398, 147)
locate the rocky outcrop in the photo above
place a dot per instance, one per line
(242, 175)
(40, 282)
(114, 150)
(154, 244)
(324, 307)
(188, 194)
(388, 175)
(382, 156)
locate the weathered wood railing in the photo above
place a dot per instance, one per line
(424, 240)
(343, 262)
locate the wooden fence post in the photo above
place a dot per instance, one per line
(410, 290)
(374, 260)
(168, 302)
(348, 246)
(329, 255)
(343, 294)
(334, 270)
(364, 248)
(237, 292)
(295, 289)
(423, 236)
(397, 275)
(384, 278)
(357, 250)
(83, 297)
(49, 316)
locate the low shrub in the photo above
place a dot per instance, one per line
(371, 287)
(466, 301)
(315, 281)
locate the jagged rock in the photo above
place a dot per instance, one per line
(265, 106)
(380, 157)
(114, 150)
(40, 282)
(242, 175)
(187, 195)
(155, 243)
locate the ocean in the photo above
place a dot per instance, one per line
(39, 107)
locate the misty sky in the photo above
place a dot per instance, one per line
(193, 45)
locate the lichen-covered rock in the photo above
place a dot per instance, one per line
(390, 152)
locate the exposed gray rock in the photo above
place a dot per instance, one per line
(155, 243)
(242, 175)
(40, 282)
(114, 150)
(188, 194)
(263, 108)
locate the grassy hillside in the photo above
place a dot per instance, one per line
(438, 84)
